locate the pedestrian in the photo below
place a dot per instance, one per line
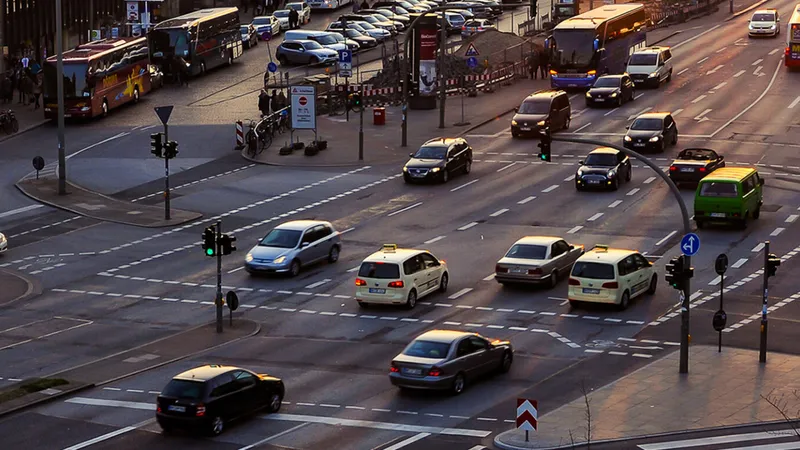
(19, 83)
(533, 64)
(356, 7)
(264, 101)
(37, 91)
(294, 18)
(6, 88)
(25, 88)
(364, 4)
(544, 64)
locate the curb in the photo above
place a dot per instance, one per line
(24, 130)
(318, 166)
(130, 374)
(34, 287)
(485, 122)
(746, 10)
(673, 34)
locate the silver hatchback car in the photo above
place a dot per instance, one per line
(294, 245)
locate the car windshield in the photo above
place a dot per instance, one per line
(601, 160)
(76, 83)
(295, 6)
(525, 251)
(281, 13)
(365, 25)
(697, 155)
(369, 19)
(763, 17)
(643, 59)
(400, 10)
(593, 270)
(337, 37)
(427, 349)
(353, 34)
(184, 389)
(311, 45)
(714, 189)
(379, 270)
(606, 82)
(325, 39)
(244, 29)
(261, 21)
(647, 124)
(534, 107)
(384, 13)
(431, 152)
(281, 239)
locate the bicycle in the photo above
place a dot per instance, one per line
(257, 138)
(346, 102)
(8, 121)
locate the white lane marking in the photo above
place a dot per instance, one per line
(777, 231)
(676, 112)
(465, 185)
(575, 229)
(739, 73)
(467, 226)
(758, 248)
(649, 180)
(489, 277)
(683, 71)
(20, 210)
(717, 440)
(404, 209)
(353, 269)
(699, 98)
(436, 239)
(633, 116)
(460, 293)
(665, 238)
(96, 144)
(408, 441)
(274, 436)
(794, 103)
(581, 128)
(499, 212)
(637, 97)
(680, 44)
(318, 283)
(721, 50)
(758, 70)
(792, 218)
(615, 203)
(111, 403)
(610, 112)
(550, 189)
(774, 51)
(336, 421)
(594, 217)
(739, 263)
(506, 167)
(101, 438)
(526, 200)
(569, 178)
(702, 116)
(714, 70)
(757, 62)
(702, 60)
(632, 191)
(236, 269)
(719, 86)
(716, 281)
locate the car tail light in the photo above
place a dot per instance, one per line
(463, 28)
(393, 369)
(536, 271)
(396, 284)
(786, 52)
(611, 285)
(435, 372)
(158, 409)
(672, 168)
(360, 282)
(201, 411)
(702, 169)
(500, 269)
(574, 282)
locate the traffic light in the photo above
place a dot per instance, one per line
(226, 244)
(675, 272)
(772, 264)
(170, 149)
(155, 144)
(544, 144)
(355, 100)
(210, 241)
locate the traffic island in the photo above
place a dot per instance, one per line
(16, 286)
(101, 207)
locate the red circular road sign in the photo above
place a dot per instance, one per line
(303, 101)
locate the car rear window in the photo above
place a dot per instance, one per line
(427, 349)
(593, 270)
(725, 190)
(527, 251)
(379, 270)
(184, 389)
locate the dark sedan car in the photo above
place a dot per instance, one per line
(603, 167)
(206, 397)
(437, 159)
(692, 164)
(448, 360)
(361, 39)
(611, 90)
(651, 132)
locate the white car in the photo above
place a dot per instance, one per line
(612, 276)
(283, 18)
(266, 24)
(650, 66)
(765, 22)
(302, 9)
(3, 243)
(399, 276)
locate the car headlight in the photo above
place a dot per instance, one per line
(579, 173)
(405, 168)
(588, 95)
(750, 26)
(652, 75)
(435, 169)
(249, 257)
(541, 123)
(280, 259)
(611, 173)
(613, 95)
(655, 138)
(513, 123)
(772, 27)
(627, 138)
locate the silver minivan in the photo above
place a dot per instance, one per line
(323, 38)
(293, 245)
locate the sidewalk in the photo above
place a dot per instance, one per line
(28, 117)
(131, 362)
(721, 389)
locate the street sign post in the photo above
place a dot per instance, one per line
(163, 113)
(38, 164)
(720, 318)
(690, 244)
(472, 62)
(345, 63)
(303, 101)
(233, 303)
(527, 416)
(272, 67)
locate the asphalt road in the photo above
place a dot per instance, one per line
(108, 287)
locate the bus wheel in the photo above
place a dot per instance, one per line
(105, 107)
(230, 58)
(136, 94)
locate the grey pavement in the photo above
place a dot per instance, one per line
(28, 117)
(14, 286)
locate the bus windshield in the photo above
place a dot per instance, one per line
(170, 42)
(75, 85)
(573, 49)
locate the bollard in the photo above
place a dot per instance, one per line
(239, 135)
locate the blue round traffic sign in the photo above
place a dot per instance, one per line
(266, 35)
(272, 67)
(472, 62)
(690, 244)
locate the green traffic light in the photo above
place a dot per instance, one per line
(542, 156)
(210, 251)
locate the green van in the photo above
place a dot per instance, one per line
(730, 195)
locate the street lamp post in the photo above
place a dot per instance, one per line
(62, 158)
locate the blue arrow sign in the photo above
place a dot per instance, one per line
(272, 67)
(690, 244)
(472, 62)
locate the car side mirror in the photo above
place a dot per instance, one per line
(410, 155)
(516, 110)
(572, 247)
(581, 162)
(760, 181)
(721, 158)
(628, 127)
(661, 64)
(305, 244)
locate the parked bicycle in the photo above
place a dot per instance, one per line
(344, 102)
(8, 121)
(260, 135)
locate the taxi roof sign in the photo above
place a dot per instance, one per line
(389, 248)
(603, 248)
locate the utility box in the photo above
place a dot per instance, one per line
(379, 116)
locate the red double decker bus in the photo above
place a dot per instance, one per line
(98, 77)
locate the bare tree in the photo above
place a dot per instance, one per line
(588, 414)
(781, 404)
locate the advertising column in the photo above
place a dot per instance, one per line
(424, 48)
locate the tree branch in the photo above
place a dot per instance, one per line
(780, 405)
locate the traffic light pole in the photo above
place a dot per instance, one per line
(685, 307)
(361, 123)
(218, 251)
(762, 348)
(166, 177)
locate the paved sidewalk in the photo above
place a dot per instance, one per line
(721, 389)
(28, 117)
(131, 362)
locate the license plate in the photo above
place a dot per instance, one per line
(413, 371)
(717, 214)
(67, 115)
(525, 128)
(591, 291)
(638, 144)
(572, 85)
(594, 181)
(418, 175)
(599, 99)
(519, 270)
(638, 81)
(377, 291)
(687, 169)
(176, 408)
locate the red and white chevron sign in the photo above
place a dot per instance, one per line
(527, 414)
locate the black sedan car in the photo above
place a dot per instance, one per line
(651, 132)
(437, 159)
(692, 164)
(363, 41)
(205, 398)
(603, 167)
(611, 90)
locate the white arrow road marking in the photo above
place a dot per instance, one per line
(676, 112)
(757, 62)
(702, 116)
(714, 70)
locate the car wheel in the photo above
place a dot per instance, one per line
(588, 104)
(553, 279)
(574, 303)
(566, 123)
(743, 221)
(411, 301)
(294, 268)
(653, 284)
(230, 58)
(669, 76)
(407, 179)
(445, 175)
(468, 166)
(633, 96)
(700, 223)
(619, 102)
(333, 254)
(675, 139)
(578, 187)
(275, 402)
(217, 426)
(165, 429)
(459, 383)
(514, 134)
(628, 175)
(505, 363)
(282, 60)
(615, 186)
(136, 94)
(757, 212)
(625, 300)
(443, 282)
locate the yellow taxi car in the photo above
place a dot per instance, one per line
(611, 275)
(399, 276)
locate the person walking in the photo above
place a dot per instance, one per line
(544, 64)
(37, 91)
(6, 88)
(356, 7)
(533, 64)
(264, 101)
(294, 19)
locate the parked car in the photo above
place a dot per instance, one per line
(249, 35)
(475, 26)
(374, 32)
(323, 38)
(305, 52)
(395, 17)
(537, 259)
(293, 245)
(266, 24)
(283, 17)
(364, 41)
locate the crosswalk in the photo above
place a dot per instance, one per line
(785, 439)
